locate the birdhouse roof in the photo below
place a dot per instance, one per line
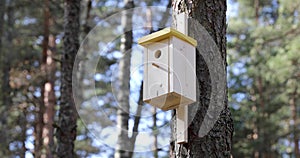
(164, 34)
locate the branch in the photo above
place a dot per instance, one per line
(137, 116)
(293, 31)
(166, 16)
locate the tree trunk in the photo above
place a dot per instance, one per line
(4, 144)
(137, 119)
(211, 14)
(294, 119)
(6, 67)
(2, 12)
(45, 116)
(38, 130)
(124, 88)
(66, 130)
(23, 124)
(154, 129)
(87, 24)
(39, 136)
(49, 100)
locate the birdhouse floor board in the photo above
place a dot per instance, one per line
(169, 101)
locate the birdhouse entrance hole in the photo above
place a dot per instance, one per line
(157, 54)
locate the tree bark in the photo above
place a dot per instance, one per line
(211, 14)
(124, 88)
(66, 130)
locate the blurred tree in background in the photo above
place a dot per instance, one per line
(264, 77)
(31, 48)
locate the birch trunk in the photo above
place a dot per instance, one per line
(124, 88)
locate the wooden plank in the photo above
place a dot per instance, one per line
(181, 124)
(182, 110)
(164, 34)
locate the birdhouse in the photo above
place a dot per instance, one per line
(169, 69)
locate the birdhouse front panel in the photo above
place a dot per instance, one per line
(169, 69)
(157, 70)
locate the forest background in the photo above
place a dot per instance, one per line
(263, 78)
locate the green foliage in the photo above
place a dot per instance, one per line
(83, 145)
(263, 73)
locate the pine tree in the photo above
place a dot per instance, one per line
(3, 122)
(211, 14)
(6, 101)
(66, 130)
(262, 44)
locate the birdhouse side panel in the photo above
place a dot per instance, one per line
(177, 62)
(190, 70)
(182, 63)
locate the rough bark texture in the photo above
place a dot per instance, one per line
(66, 130)
(211, 14)
(124, 89)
